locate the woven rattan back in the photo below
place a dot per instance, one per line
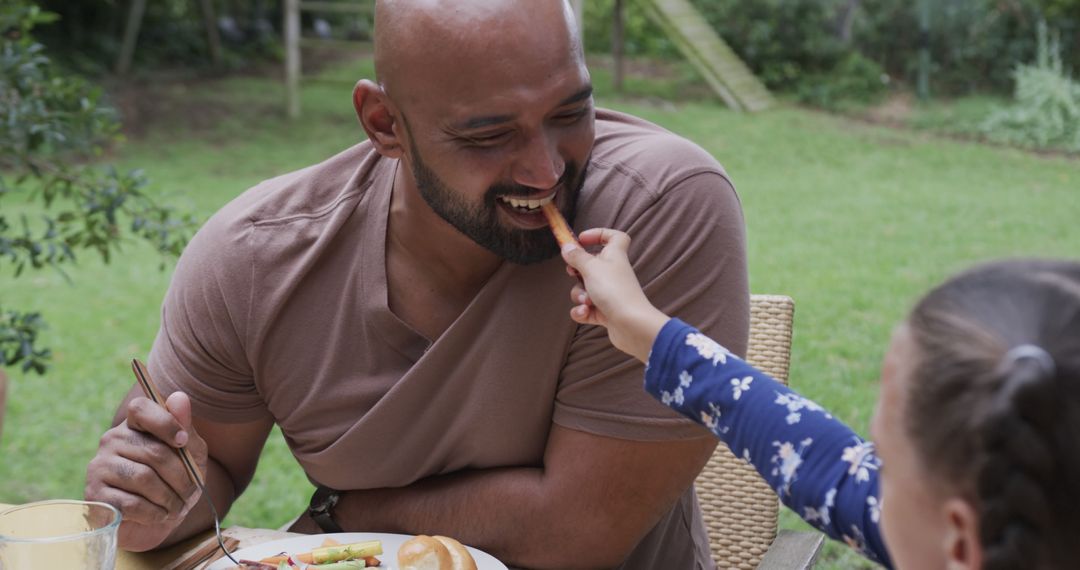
(739, 509)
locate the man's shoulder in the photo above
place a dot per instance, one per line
(293, 210)
(309, 193)
(280, 225)
(648, 152)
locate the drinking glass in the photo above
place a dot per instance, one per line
(59, 534)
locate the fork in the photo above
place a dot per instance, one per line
(143, 377)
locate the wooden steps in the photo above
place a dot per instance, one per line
(721, 67)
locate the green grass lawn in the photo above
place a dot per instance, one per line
(852, 221)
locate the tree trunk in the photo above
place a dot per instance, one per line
(213, 40)
(617, 43)
(846, 21)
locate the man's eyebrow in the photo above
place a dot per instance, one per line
(576, 97)
(481, 122)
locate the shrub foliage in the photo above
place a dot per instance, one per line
(974, 44)
(1046, 110)
(53, 127)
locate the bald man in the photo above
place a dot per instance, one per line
(401, 312)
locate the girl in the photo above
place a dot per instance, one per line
(977, 423)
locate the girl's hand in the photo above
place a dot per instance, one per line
(611, 296)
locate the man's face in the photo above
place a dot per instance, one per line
(497, 122)
(481, 222)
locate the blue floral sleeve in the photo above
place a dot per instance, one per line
(817, 465)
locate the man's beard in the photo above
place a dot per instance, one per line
(481, 223)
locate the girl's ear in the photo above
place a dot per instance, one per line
(961, 545)
(378, 117)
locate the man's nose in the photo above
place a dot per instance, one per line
(539, 164)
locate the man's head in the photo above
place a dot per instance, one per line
(488, 103)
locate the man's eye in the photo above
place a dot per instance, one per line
(488, 140)
(573, 116)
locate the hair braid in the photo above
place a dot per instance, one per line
(1013, 477)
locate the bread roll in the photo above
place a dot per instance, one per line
(424, 553)
(458, 553)
(434, 553)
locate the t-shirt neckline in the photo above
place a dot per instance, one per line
(397, 332)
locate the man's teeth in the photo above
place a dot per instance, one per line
(521, 203)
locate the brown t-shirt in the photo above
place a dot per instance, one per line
(278, 309)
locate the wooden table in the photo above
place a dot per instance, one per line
(166, 558)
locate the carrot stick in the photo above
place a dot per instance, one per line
(559, 227)
(275, 560)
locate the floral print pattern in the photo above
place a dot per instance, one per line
(861, 459)
(795, 404)
(741, 385)
(817, 465)
(786, 461)
(708, 348)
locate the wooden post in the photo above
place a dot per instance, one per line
(617, 43)
(292, 58)
(131, 35)
(846, 22)
(213, 40)
(924, 49)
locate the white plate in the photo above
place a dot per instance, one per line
(298, 544)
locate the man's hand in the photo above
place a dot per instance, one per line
(138, 470)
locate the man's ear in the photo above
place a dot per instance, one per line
(378, 117)
(963, 550)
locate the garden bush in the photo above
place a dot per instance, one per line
(87, 35)
(854, 79)
(974, 44)
(642, 37)
(54, 127)
(1046, 110)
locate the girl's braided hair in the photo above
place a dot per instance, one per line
(994, 405)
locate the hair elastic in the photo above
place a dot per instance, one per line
(1037, 353)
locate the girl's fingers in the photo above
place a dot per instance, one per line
(574, 256)
(574, 315)
(605, 237)
(579, 295)
(580, 314)
(587, 315)
(591, 236)
(577, 292)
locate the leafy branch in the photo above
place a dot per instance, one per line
(53, 127)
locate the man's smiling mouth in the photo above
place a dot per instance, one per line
(525, 205)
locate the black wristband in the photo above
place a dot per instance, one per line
(321, 508)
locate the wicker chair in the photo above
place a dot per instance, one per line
(739, 509)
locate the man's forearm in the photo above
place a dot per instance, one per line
(507, 512)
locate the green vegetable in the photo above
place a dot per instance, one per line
(346, 565)
(346, 551)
